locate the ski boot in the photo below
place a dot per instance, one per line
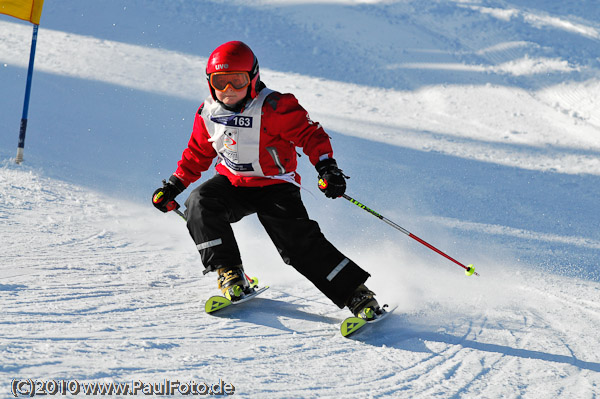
(233, 283)
(363, 304)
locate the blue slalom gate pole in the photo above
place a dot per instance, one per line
(21, 145)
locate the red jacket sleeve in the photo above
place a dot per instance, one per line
(284, 115)
(198, 155)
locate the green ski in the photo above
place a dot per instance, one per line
(353, 324)
(218, 302)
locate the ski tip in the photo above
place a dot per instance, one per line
(218, 302)
(351, 325)
(215, 303)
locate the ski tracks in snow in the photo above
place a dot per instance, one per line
(92, 292)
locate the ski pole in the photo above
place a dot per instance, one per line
(177, 211)
(469, 270)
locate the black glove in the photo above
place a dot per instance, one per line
(164, 198)
(332, 181)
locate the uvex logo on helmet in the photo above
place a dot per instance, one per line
(234, 56)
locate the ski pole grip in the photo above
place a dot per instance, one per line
(172, 205)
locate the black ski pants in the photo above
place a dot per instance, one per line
(215, 204)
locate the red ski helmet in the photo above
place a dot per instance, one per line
(234, 56)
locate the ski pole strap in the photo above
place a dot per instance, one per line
(172, 206)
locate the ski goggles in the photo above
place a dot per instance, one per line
(237, 80)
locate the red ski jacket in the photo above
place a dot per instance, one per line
(272, 138)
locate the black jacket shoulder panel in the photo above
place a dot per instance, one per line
(272, 99)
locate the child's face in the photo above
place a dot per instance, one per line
(231, 96)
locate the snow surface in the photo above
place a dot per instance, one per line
(473, 124)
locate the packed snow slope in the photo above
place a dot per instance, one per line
(473, 124)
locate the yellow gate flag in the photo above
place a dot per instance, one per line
(28, 10)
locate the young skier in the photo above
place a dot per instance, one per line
(254, 132)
